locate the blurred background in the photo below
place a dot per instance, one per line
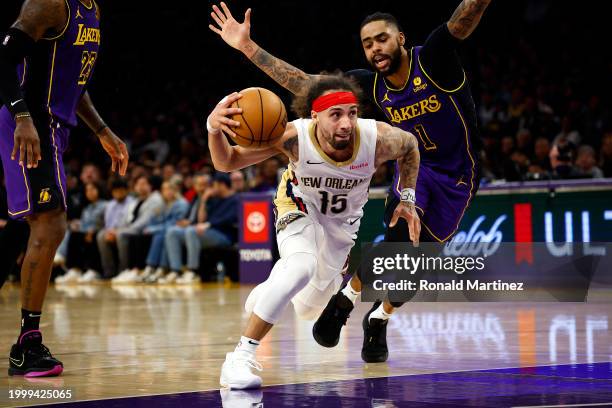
(540, 72)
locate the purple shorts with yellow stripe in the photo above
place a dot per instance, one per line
(441, 201)
(39, 189)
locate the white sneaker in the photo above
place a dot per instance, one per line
(127, 276)
(241, 398)
(90, 276)
(155, 276)
(169, 278)
(121, 277)
(236, 372)
(72, 276)
(188, 278)
(146, 272)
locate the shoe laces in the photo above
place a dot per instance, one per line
(248, 361)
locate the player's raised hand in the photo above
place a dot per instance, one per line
(235, 34)
(219, 118)
(408, 212)
(116, 149)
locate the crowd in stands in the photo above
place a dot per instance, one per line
(542, 97)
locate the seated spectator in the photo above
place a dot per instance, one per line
(148, 204)
(606, 154)
(115, 216)
(175, 209)
(266, 178)
(238, 182)
(586, 162)
(541, 153)
(562, 161)
(217, 227)
(82, 251)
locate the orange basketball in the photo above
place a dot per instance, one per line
(263, 119)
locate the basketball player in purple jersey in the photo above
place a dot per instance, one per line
(46, 61)
(423, 90)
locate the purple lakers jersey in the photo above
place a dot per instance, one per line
(442, 120)
(56, 74)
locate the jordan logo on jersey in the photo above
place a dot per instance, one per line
(386, 97)
(78, 13)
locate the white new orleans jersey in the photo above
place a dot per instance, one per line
(316, 182)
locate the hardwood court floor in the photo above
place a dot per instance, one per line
(141, 340)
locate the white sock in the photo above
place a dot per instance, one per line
(350, 293)
(380, 313)
(247, 345)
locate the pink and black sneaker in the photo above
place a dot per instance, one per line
(30, 358)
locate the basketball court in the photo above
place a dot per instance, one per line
(139, 345)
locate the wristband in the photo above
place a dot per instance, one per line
(21, 115)
(210, 128)
(408, 195)
(101, 129)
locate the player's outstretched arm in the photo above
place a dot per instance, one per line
(395, 144)
(238, 36)
(112, 144)
(466, 17)
(226, 157)
(35, 18)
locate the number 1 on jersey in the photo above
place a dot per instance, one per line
(338, 202)
(427, 143)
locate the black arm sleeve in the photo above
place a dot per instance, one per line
(15, 46)
(439, 58)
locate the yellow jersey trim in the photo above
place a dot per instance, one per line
(407, 78)
(315, 143)
(438, 86)
(85, 5)
(25, 181)
(65, 27)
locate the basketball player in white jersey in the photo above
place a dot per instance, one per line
(318, 204)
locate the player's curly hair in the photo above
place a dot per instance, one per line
(302, 104)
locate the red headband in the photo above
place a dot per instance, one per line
(335, 98)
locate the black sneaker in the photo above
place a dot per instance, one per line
(30, 358)
(374, 338)
(326, 330)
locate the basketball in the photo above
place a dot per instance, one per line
(263, 119)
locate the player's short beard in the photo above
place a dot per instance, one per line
(396, 61)
(340, 144)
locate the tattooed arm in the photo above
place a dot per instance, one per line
(228, 158)
(393, 143)
(466, 17)
(238, 36)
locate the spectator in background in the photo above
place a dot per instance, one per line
(148, 204)
(238, 181)
(266, 178)
(82, 251)
(175, 235)
(586, 162)
(568, 132)
(175, 208)
(541, 153)
(606, 154)
(115, 216)
(217, 227)
(562, 160)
